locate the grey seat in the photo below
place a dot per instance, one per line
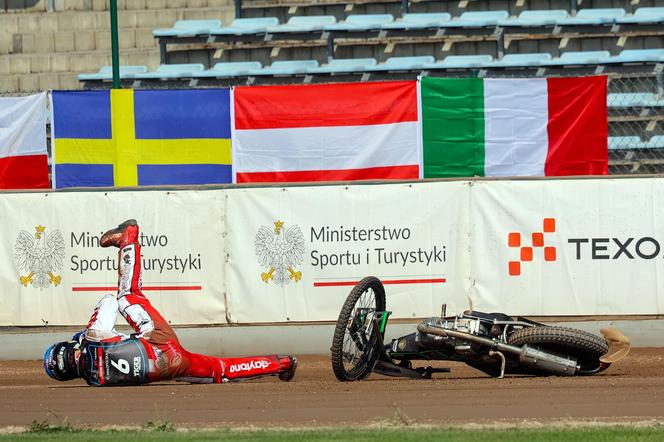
(173, 71)
(247, 26)
(420, 21)
(522, 60)
(536, 18)
(404, 63)
(644, 16)
(361, 22)
(596, 16)
(230, 69)
(106, 73)
(349, 65)
(287, 67)
(304, 24)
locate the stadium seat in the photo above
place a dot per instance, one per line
(404, 63)
(463, 62)
(244, 26)
(420, 21)
(106, 73)
(625, 143)
(304, 24)
(287, 67)
(342, 65)
(597, 16)
(230, 69)
(522, 60)
(627, 100)
(477, 19)
(656, 142)
(188, 28)
(638, 56)
(172, 71)
(644, 16)
(361, 22)
(581, 58)
(536, 18)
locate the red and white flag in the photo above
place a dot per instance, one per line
(23, 156)
(330, 132)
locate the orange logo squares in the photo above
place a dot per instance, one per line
(549, 225)
(514, 239)
(549, 253)
(526, 253)
(515, 268)
(538, 239)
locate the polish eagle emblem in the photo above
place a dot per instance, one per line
(41, 256)
(280, 250)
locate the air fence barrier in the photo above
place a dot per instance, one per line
(576, 251)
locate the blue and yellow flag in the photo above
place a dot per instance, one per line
(125, 138)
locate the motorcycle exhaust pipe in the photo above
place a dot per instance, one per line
(528, 356)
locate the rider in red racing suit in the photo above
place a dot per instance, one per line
(102, 356)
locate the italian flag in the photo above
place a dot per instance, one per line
(514, 127)
(23, 155)
(329, 132)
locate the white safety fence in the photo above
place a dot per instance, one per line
(291, 254)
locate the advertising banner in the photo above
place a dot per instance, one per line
(295, 253)
(568, 247)
(54, 272)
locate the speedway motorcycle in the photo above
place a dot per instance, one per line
(494, 343)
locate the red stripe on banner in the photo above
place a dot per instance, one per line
(165, 288)
(324, 105)
(371, 173)
(578, 127)
(24, 172)
(384, 281)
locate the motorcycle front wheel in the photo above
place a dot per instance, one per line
(356, 342)
(585, 347)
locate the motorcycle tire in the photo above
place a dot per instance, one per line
(361, 368)
(586, 347)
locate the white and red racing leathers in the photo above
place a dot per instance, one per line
(154, 353)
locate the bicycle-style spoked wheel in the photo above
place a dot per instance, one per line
(356, 342)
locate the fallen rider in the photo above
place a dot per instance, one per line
(102, 356)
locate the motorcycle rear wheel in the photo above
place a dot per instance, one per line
(586, 347)
(356, 344)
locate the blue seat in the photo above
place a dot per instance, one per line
(639, 56)
(420, 21)
(188, 28)
(404, 63)
(463, 62)
(341, 65)
(627, 100)
(173, 71)
(536, 18)
(656, 142)
(247, 26)
(106, 73)
(625, 143)
(477, 19)
(596, 16)
(361, 22)
(644, 16)
(304, 24)
(522, 60)
(575, 58)
(230, 69)
(287, 67)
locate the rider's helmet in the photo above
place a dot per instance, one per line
(60, 361)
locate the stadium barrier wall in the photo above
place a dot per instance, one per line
(582, 247)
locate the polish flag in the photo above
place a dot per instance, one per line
(23, 156)
(330, 132)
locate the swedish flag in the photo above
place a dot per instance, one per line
(125, 138)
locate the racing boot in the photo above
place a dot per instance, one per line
(125, 233)
(289, 365)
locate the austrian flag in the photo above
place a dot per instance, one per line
(331, 132)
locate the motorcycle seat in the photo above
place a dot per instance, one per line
(489, 316)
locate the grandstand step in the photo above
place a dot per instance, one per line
(77, 62)
(49, 23)
(86, 40)
(26, 6)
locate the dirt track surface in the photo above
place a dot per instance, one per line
(629, 391)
